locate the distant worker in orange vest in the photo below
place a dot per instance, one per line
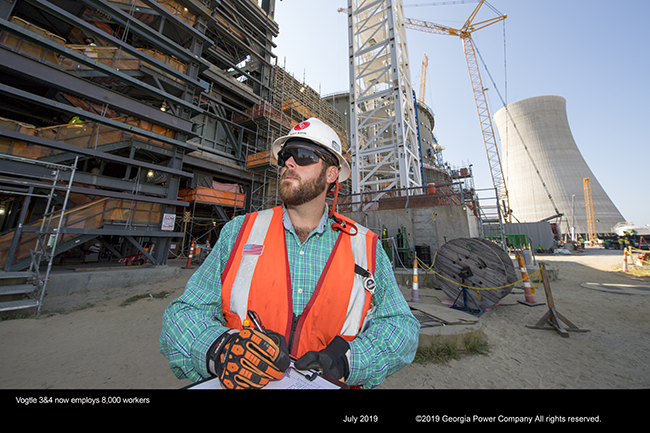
(320, 284)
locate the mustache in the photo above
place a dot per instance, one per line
(289, 172)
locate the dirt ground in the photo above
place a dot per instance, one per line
(93, 342)
(613, 354)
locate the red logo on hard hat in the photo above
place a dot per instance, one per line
(301, 126)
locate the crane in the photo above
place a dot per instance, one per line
(437, 148)
(589, 207)
(423, 78)
(465, 33)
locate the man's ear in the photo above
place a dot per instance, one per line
(332, 174)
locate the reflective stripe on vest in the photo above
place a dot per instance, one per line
(341, 298)
(239, 303)
(356, 310)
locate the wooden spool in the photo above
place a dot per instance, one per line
(478, 263)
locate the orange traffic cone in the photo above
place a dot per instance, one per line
(529, 293)
(189, 258)
(197, 254)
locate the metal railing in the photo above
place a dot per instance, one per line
(447, 194)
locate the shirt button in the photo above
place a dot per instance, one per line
(302, 252)
(299, 290)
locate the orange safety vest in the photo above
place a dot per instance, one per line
(257, 277)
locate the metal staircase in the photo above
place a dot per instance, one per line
(18, 291)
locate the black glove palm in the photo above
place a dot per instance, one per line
(332, 360)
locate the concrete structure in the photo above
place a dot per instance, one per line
(425, 226)
(430, 149)
(535, 135)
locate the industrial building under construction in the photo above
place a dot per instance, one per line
(131, 130)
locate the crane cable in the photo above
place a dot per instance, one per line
(503, 102)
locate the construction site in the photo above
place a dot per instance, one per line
(131, 131)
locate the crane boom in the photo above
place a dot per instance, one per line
(465, 33)
(423, 78)
(487, 129)
(589, 207)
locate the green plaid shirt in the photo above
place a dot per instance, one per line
(195, 320)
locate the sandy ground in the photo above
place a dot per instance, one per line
(614, 354)
(99, 344)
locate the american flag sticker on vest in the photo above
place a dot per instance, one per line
(252, 250)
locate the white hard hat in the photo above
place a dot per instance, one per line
(319, 133)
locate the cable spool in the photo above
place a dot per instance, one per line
(481, 265)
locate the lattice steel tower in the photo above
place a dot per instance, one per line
(383, 130)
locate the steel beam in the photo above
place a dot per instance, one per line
(74, 111)
(134, 26)
(111, 230)
(108, 71)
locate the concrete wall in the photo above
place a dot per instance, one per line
(66, 283)
(432, 226)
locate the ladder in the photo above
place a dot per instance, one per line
(491, 218)
(26, 289)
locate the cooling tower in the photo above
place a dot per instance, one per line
(535, 135)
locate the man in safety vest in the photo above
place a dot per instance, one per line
(297, 281)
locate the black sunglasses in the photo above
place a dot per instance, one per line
(301, 155)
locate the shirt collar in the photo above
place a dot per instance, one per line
(320, 229)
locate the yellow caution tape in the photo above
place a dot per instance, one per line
(424, 266)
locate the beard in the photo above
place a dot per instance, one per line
(303, 191)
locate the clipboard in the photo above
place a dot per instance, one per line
(293, 379)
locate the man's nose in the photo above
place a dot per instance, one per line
(290, 163)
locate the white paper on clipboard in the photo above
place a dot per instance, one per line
(292, 380)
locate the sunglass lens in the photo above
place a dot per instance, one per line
(301, 156)
(305, 157)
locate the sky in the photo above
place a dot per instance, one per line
(592, 52)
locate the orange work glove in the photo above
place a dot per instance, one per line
(248, 358)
